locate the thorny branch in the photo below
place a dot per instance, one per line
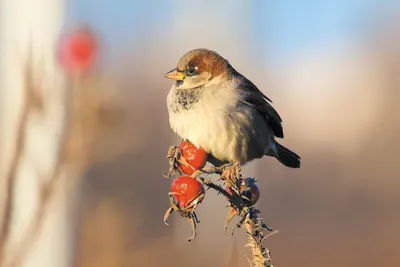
(239, 205)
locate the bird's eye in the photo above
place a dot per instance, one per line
(191, 71)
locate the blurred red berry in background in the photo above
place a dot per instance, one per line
(77, 50)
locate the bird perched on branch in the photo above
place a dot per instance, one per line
(218, 109)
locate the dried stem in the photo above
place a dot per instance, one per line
(31, 102)
(253, 224)
(48, 188)
(256, 236)
(239, 204)
(12, 171)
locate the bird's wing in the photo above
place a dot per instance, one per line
(258, 100)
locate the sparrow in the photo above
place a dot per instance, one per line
(218, 109)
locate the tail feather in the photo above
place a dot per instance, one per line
(285, 156)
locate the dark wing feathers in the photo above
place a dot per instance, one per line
(257, 99)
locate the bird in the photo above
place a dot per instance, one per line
(218, 109)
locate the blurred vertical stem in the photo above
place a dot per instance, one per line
(31, 119)
(54, 122)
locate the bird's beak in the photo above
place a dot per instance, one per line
(175, 75)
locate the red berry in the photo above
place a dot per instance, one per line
(249, 189)
(77, 50)
(186, 189)
(195, 157)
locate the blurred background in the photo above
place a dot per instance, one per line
(332, 69)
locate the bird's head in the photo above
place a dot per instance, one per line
(198, 67)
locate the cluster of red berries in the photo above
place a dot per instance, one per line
(187, 190)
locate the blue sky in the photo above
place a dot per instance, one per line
(285, 27)
(290, 26)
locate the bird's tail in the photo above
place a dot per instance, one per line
(284, 155)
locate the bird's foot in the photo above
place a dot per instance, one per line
(232, 175)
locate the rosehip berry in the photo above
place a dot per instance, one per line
(249, 189)
(186, 190)
(195, 157)
(77, 50)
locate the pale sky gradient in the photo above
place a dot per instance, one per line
(280, 29)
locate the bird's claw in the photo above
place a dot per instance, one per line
(231, 174)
